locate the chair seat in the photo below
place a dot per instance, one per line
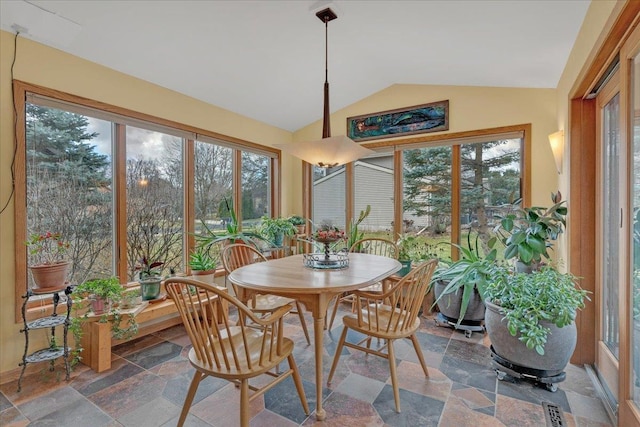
(240, 368)
(379, 324)
(268, 303)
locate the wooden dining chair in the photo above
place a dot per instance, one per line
(371, 246)
(237, 255)
(232, 351)
(389, 316)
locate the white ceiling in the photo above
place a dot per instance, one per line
(265, 59)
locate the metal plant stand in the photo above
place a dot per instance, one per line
(504, 367)
(49, 353)
(468, 326)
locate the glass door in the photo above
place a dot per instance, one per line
(609, 237)
(634, 189)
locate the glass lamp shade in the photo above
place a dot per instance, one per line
(327, 152)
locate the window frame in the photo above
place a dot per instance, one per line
(398, 145)
(22, 91)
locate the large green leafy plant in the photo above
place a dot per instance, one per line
(528, 299)
(202, 260)
(527, 233)
(272, 227)
(470, 273)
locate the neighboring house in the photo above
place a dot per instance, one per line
(374, 186)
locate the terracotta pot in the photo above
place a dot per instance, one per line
(100, 305)
(50, 277)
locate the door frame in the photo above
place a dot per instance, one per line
(582, 222)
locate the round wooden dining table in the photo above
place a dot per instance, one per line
(314, 288)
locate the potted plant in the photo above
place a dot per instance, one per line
(460, 286)
(530, 317)
(298, 222)
(274, 229)
(150, 278)
(531, 311)
(202, 264)
(406, 244)
(48, 264)
(105, 296)
(102, 293)
(529, 232)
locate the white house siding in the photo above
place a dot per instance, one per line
(374, 186)
(329, 199)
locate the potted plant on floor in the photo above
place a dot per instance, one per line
(531, 308)
(48, 263)
(529, 233)
(274, 229)
(530, 320)
(460, 286)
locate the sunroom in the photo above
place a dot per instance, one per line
(130, 175)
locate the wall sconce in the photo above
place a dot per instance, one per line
(556, 141)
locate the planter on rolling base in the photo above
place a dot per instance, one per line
(449, 307)
(514, 355)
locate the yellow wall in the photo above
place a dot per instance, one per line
(471, 108)
(597, 21)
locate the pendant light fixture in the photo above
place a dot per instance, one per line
(329, 151)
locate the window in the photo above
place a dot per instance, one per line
(483, 176)
(155, 211)
(112, 183)
(450, 189)
(256, 188)
(69, 186)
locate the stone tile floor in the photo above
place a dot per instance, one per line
(149, 378)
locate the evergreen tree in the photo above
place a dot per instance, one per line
(485, 181)
(69, 188)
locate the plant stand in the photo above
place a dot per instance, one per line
(503, 367)
(46, 354)
(468, 326)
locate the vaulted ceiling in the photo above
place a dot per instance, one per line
(265, 59)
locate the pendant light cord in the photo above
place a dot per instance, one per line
(326, 124)
(326, 50)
